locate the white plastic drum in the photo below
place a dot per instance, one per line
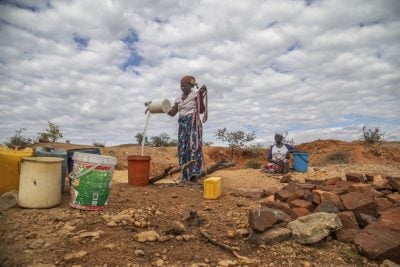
(40, 182)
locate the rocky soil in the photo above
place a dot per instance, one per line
(161, 224)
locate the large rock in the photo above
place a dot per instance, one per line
(380, 241)
(382, 203)
(273, 235)
(280, 206)
(359, 203)
(330, 196)
(391, 215)
(355, 177)
(331, 181)
(395, 197)
(394, 182)
(327, 206)
(348, 220)
(313, 228)
(262, 218)
(300, 203)
(255, 193)
(347, 235)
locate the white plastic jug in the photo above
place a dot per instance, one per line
(159, 106)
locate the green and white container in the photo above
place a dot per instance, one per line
(91, 180)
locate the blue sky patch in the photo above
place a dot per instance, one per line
(296, 45)
(130, 41)
(134, 60)
(80, 42)
(131, 38)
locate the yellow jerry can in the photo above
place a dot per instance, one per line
(10, 167)
(212, 188)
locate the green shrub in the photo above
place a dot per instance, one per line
(19, 140)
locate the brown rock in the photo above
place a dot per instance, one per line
(394, 182)
(382, 203)
(347, 235)
(255, 193)
(379, 241)
(262, 218)
(391, 215)
(299, 203)
(382, 184)
(348, 220)
(330, 196)
(331, 181)
(271, 190)
(360, 187)
(292, 187)
(286, 178)
(395, 197)
(307, 186)
(310, 197)
(283, 195)
(359, 203)
(369, 177)
(273, 235)
(374, 193)
(301, 211)
(280, 206)
(327, 206)
(313, 181)
(355, 177)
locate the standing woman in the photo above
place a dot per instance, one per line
(190, 105)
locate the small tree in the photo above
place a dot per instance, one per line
(52, 133)
(139, 139)
(236, 139)
(19, 140)
(373, 135)
(160, 140)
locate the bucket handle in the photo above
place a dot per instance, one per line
(72, 176)
(306, 161)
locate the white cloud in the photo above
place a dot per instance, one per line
(320, 71)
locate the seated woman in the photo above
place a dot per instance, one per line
(278, 156)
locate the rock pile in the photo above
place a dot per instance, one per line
(363, 209)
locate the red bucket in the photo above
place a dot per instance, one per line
(138, 170)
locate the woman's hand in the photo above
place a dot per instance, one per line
(202, 89)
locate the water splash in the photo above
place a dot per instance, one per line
(144, 131)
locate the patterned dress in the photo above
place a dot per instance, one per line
(190, 145)
(190, 135)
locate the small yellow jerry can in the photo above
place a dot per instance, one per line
(212, 188)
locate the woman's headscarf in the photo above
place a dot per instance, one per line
(188, 80)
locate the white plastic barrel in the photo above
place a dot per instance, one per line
(40, 182)
(160, 106)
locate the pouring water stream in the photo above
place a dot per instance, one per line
(144, 131)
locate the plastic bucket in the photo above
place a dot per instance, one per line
(10, 167)
(300, 161)
(91, 179)
(160, 106)
(138, 170)
(40, 182)
(70, 154)
(51, 152)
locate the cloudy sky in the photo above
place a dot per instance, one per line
(318, 69)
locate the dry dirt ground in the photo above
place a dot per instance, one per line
(63, 236)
